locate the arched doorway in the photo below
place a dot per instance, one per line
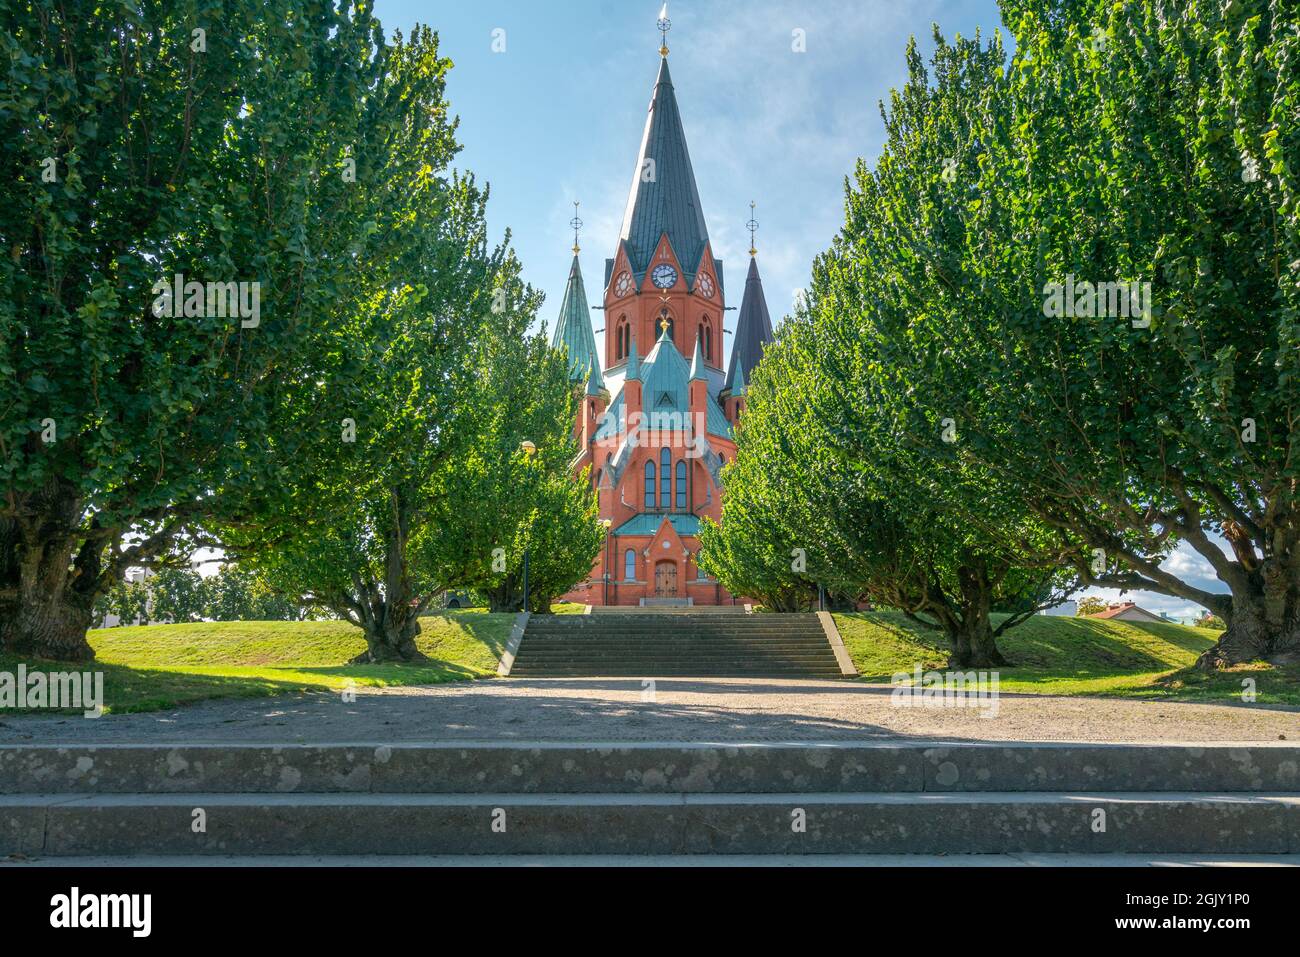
(666, 580)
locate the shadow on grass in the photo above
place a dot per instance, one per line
(130, 689)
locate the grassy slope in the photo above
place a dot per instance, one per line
(1072, 656)
(157, 666)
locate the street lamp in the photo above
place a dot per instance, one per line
(607, 523)
(529, 450)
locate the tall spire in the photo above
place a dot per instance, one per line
(633, 362)
(573, 328)
(753, 332)
(664, 197)
(697, 361)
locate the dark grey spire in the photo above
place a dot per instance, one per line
(664, 198)
(753, 330)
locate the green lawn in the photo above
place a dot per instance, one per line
(158, 666)
(1073, 656)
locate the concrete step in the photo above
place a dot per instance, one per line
(787, 823)
(648, 768)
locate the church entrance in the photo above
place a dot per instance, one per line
(666, 580)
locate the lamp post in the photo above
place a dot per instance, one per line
(529, 450)
(607, 523)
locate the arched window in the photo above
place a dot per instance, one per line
(681, 485)
(665, 478)
(629, 565)
(708, 343)
(649, 484)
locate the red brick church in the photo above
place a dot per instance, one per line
(658, 410)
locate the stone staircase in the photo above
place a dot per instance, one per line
(680, 644)
(460, 798)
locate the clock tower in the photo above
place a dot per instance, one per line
(663, 267)
(657, 414)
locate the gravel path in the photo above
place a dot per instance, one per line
(612, 709)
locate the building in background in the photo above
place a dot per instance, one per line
(656, 421)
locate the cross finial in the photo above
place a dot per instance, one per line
(664, 324)
(664, 25)
(576, 223)
(752, 226)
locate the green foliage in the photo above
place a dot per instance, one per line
(1090, 605)
(824, 467)
(220, 164)
(1143, 142)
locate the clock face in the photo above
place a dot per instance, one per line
(706, 285)
(624, 284)
(664, 276)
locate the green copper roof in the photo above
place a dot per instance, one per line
(595, 382)
(663, 197)
(753, 332)
(697, 363)
(647, 523)
(573, 328)
(664, 377)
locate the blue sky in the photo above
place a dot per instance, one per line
(556, 116)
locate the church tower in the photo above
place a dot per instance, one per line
(656, 423)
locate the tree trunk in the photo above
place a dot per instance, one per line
(970, 635)
(1263, 621)
(48, 577)
(53, 628)
(389, 642)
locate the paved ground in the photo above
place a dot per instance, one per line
(612, 709)
(697, 860)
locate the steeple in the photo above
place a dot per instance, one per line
(595, 381)
(697, 362)
(573, 328)
(664, 197)
(753, 332)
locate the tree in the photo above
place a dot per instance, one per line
(816, 496)
(237, 593)
(1090, 605)
(524, 502)
(222, 142)
(1099, 291)
(128, 600)
(176, 594)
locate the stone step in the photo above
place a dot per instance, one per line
(783, 823)
(649, 767)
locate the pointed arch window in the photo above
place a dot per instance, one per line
(706, 338)
(649, 484)
(621, 339)
(681, 485)
(629, 565)
(665, 478)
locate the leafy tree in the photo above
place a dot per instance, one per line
(237, 593)
(215, 140)
(822, 500)
(527, 502)
(127, 600)
(1090, 605)
(1123, 143)
(177, 594)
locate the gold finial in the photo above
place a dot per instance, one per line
(664, 324)
(752, 226)
(664, 26)
(576, 223)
